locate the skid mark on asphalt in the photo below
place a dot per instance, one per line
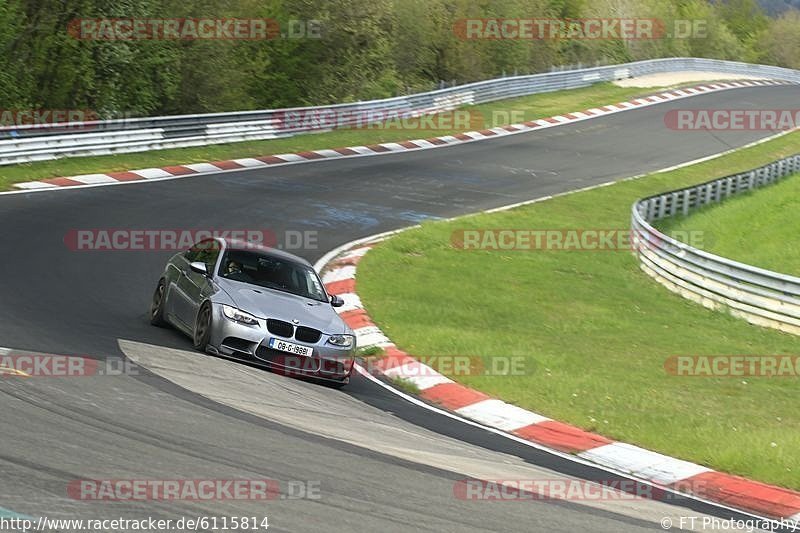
(361, 215)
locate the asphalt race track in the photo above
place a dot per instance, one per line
(380, 463)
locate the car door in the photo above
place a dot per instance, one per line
(196, 287)
(177, 301)
(188, 284)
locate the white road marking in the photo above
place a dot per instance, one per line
(152, 173)
(93, 178)
(500, 415)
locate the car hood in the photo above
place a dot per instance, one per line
(269, 303)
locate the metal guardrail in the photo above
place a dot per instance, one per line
(758, 295)
(25, 143)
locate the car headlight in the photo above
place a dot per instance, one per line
(237, 315)
(342, 341)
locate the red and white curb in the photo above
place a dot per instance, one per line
(180, 171)
(339, 276)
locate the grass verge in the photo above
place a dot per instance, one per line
(593, 329)
(405, 385)
(758, 228)
(494, 114)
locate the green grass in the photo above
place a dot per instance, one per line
(493, 114)
(370, 351)
(759, 228)
(594, 330)
(405, 385)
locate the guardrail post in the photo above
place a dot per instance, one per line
(662, 207)
(650, 209)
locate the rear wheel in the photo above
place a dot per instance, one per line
(202, 328)
(157, 306)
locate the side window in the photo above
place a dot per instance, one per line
(191, 253)
(205, 252)
(208, 252)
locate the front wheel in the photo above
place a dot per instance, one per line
(202, 328)
(157, 305)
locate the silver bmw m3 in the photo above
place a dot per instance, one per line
(262, 305)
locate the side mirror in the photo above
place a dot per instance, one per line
(336, 301)
(199, 267)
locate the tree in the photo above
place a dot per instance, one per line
(780, 42)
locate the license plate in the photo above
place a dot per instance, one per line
(290, 347)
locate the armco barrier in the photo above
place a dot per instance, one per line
(759, 296)
(25, 143)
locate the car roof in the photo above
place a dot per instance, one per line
(247, 245)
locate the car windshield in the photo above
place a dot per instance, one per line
(272, 272)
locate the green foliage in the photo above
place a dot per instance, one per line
(366, 49)
(780, 43)
(744, 18)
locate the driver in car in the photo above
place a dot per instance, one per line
(233, 270)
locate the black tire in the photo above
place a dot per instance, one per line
(157, 305)
(202, 328)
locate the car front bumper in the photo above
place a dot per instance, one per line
(234, 339)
